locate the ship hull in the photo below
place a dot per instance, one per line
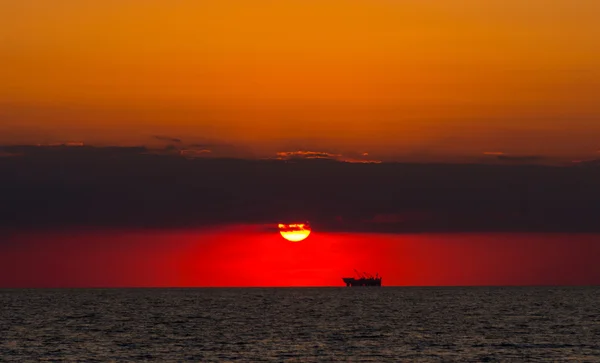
(362, 282)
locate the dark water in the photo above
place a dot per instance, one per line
(321, 324)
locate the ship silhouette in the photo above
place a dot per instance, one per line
(362, 279)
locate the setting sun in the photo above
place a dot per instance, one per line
(295, 232)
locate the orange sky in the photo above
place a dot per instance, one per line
(412, 77)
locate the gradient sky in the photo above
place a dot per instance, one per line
(393, 78)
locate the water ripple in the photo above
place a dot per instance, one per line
(301, 325)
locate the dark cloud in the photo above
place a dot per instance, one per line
(521, 158)
(397, 218)
(301, 154)
(168, 139)
(594, 163)
(215, 149)
(323, 155)
(4, 154)
(171, 148)
(502, 156)
(59, 187)
(195, 153)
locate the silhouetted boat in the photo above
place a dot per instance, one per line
(363, 279)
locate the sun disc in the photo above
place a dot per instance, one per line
(295, 232)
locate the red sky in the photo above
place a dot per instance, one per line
(248, 255)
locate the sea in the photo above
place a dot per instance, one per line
(395, 324)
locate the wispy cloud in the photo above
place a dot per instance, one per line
(203, 146)
(69, 143)
(502, 156)
(521, 158)
(360, 161)
(589, 162)
(323, 155)
(300, 154)
(493, 153)
(194, 153)
(168, 139)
